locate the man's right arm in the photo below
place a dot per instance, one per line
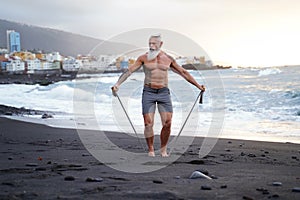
(137, 64)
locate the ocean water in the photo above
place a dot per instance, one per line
(257, 104)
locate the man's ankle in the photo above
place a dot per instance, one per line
(151, 153)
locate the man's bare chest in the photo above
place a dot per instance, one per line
(157, 65)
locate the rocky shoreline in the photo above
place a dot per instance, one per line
(13, 111)
(32, 79)
(53, 77)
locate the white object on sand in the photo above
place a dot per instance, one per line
(197, 174)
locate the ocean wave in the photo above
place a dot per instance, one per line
(292, 94)
(270, 71)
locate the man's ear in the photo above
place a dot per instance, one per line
(161, 43)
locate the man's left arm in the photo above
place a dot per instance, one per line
(185, 74)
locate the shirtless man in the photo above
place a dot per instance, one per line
(156, 64)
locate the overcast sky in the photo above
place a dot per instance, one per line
(233, 32)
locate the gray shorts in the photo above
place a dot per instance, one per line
(161, 97)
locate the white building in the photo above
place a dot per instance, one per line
(71, 64)
(88, 65)
(15, 66)
(53, 56)
(181, 60)
(46, 65)
(105, 60)
(33, 65)
(3, 51)
(209, 63)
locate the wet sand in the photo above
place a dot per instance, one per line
(41, 162)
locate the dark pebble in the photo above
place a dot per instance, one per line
(31, 164)
(243, 154)
(157, 181)
(40, 169)
(46, 116)
(228, 160)
(9, 184)
(89, 179)
(294, 157)
(275, 196)
(266, 152)
(213, 177)
(49, 162)
(263, 155)
(229, 142)
(9, 113)
(205, 187)
(277, 183)
(296, 189)
(69, 178)
(85, 154)
(265, 192)
(251, 155)
(228, 150)
(10, 158)
(247, 198)
(260, 189)
(223, 186)
(196, 162)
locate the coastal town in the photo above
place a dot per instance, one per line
(14, 60)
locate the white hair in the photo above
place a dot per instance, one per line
(157, 36)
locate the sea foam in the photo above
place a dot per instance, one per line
(270, 71)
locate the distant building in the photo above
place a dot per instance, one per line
(33, 65)
(181, 60)
(24, 55)
(54, 56)
(209, 63)
(13, 41)
(3, 62)
(3, 51)
(46, 65)
(15, 66)
(71, 64)
(40, 56)
(105, 60)
(202, 60)
(124, 64)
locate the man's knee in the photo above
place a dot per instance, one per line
(148, 122)
(167, 124)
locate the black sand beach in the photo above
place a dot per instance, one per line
(40, 162)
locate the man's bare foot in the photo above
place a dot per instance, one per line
(151, 154)
(164, 154)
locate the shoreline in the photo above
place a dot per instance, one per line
(49, 118)
(51, 77)
(41, 162)
(52, 122)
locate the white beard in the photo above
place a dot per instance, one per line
(152, 54)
